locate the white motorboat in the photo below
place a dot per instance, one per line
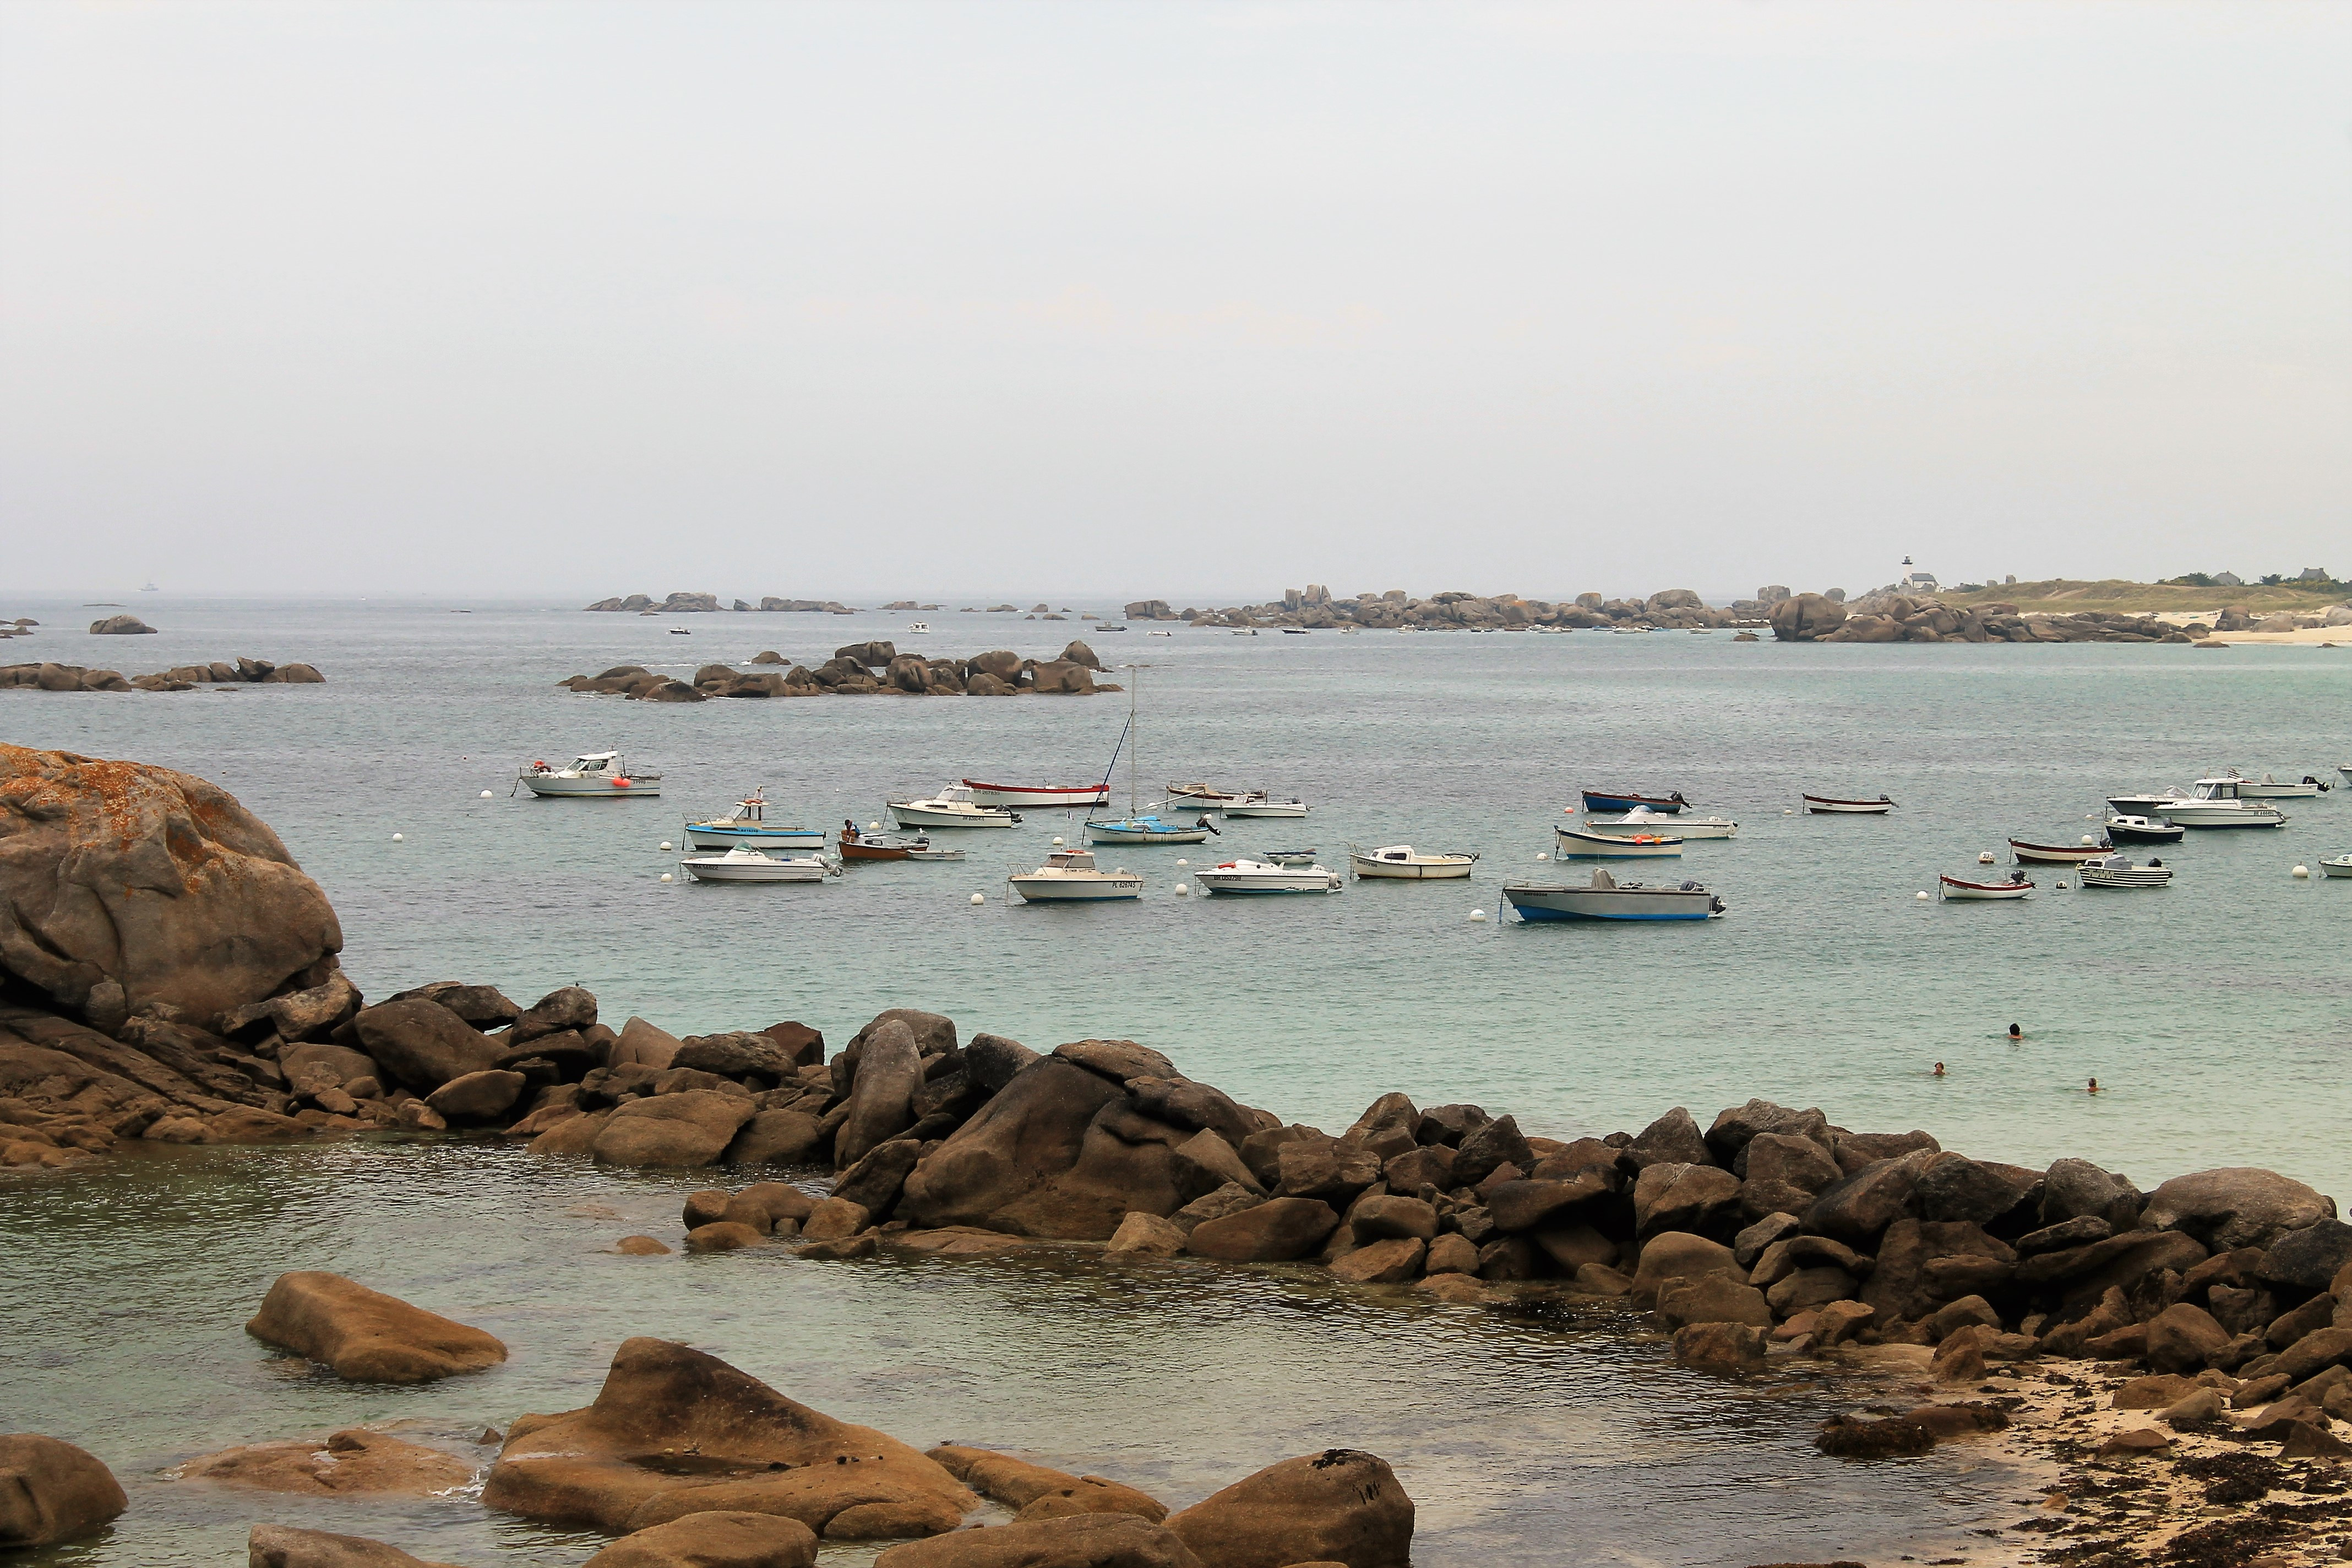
(1260, 803)
(1037, 795)
(926, 853)
(590, 775)
(1404, 863)
(1570, 845)
(749, 826)
(919, 626)
(953, 806)
(2213, 803)
(2115, 871)
(1261, 877)
(1825, 805)
(681, 631)
(1642, 819)
(1607, 899)
(1957, 891)
(2268, 788)
(2337, 866)
(1199, 797)
(745, 864)
(1071, 877)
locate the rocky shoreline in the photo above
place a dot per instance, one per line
(2190, 1342)
(862, 669)
(179, 678)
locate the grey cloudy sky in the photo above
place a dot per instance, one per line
(1193, 299)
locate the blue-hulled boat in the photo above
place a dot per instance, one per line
(1605, 801)
(1147, 829)
(749, 826)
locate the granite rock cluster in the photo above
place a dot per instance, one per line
(1890, 616)
(688, 604)
(862, 669)
(180, 678)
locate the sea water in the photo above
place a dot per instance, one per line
(2213, 1015)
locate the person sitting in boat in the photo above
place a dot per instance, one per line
(2018, 876)
(1205, 822)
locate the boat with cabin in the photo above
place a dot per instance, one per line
(1607, 899)
(1071, 877)
(2144, 830)
(1403, 862)
(2337, 866)
(1570, 845)
(1830, 805)
(2117, 871)
(2211, 803)
(953, 806)
(1265, 877)
(588, 776)
(1613, 801)
(1957, 890)
(744, 864)
(749, 825)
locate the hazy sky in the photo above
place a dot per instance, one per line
(1192, 300)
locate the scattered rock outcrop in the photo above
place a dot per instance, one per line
(51, 1492)
(285, 1546)
(860, 669)
(179, 678)
(354, 1462)
(366, 1336)
(121, 627)
(682, 603)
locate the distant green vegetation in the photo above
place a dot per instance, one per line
(2194, 592)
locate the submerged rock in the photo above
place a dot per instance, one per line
(52, 1491)
(717, 1539)
(284, 1546)
(1342, 1505)
(675, 1432)
(367, 1336)
(347, 1463)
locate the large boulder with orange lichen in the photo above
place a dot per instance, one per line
(123, 886)
(674, 1432)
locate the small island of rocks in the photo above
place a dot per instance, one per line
(863, 670)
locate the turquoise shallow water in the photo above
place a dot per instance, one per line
(2215, 1012)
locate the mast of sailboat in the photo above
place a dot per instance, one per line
(1134, 746)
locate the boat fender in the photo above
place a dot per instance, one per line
(621, 783)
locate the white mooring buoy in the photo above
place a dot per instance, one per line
(486, 795)
(667, 846)
(1922, 893)
(980, 898)
(668, 877)
(1477, 914)
(1184, 862)
(1181, 890)
(1057, 844)
(397, 838)
(1984, 858)
(873, 828)
(2062, 887)
(2300, 871)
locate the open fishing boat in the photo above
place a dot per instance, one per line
(1640, 819)
(1570, 845)
(953, 806)
(1263, 877)
(856, 845)
(1403, 862)
(1826, 805)
(1957, 890)
(749, 826)
(1607, 899)
(2144, 830)
(1071, 877)
(1199, 797)
(2059, 854)
(2268, 788)
(587, 776)
(1257, 802)
(1602, 800)
(1035, 796)
(2115, 871)
(744, 864)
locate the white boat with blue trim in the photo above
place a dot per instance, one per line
(749, 826)
(1607, 899)
(1264, 877)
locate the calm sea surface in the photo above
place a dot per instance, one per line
(2217, 1015)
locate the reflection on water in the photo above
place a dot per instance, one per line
(1521, 1441)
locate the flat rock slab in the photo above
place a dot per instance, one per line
(367, 1336)
(351, 1462)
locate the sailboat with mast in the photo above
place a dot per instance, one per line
(1139, 827)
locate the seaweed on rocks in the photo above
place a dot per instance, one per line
(2235, 1478)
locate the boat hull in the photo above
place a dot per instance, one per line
(2341, 866)
(1574, 845)
(757, 837)
(1956, 891)
(1535, 901)
(908, 815)
(1080, 796)
(1405, 871)
(2137, 876)
(1595, 800)
(1820, 805)
(2253, 789)
(2119, 832)
(1281, 808)
(557, 787)
(1077, 890)
(717, 869)
(1681, 827)
(1297, 881)
(2057, 854)
(2200, 814)
(1105, 833)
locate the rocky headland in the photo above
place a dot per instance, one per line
(862, 669)
(2181, 1356)
(179, 678)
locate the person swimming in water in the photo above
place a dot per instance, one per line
(2094, 1086)
(1939, 1069)
(2015, 1033)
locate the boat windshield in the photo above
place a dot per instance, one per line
(2217, 789)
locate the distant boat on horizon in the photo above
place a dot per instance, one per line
(151, 589)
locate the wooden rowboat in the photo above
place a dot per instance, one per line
(1957, 891)
(2058, 854)
(1821, 804)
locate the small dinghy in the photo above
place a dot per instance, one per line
(2144, 830)
(2115, 871)
(934, 854)
(1264, 877)
(1606, 801)
(1607, 899)
(1826, 805)
(953, 806)
(1403, 862)
(1570, 845)
(2058, 854)
(1642, 819)
(744, 864)
(1957, 891)
(2337, 866)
